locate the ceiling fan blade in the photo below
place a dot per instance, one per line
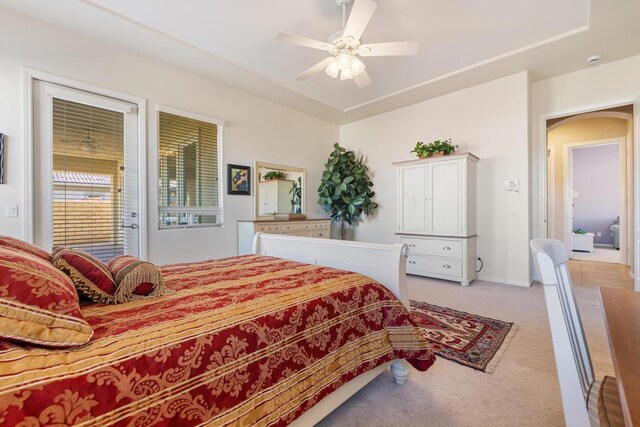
(360, 15)
(314, 70)
(301, 41)
(362, 79)
(407, 48)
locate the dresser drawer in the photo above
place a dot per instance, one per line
(289, 228)
(321, 225)
(434, 247)
(321, 233)
(268, 228)
(439, 266)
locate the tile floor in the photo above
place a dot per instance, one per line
(594, 274)
(600, 254)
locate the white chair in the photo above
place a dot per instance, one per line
(584, 400)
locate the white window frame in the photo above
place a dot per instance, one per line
(218, 210)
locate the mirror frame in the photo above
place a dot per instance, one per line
(256, 180)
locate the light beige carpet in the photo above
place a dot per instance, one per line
(522, 391)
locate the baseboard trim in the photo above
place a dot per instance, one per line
(504, 281)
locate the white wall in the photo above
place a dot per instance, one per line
(489, 120)
(256, 129)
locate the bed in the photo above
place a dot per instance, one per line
(276, 338)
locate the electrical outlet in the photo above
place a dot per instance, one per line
(599, 234)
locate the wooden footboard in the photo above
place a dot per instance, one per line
(384, 263)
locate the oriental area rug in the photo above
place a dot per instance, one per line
(469, 339)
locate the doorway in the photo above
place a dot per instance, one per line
(590, 193)
(595, 180)
(86, 177)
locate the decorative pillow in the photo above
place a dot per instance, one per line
(91, 276)
(12, 243)
(136, 279)
(38, 303)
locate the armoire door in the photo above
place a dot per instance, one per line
(445, 187)
(268, 198)
(412, 201)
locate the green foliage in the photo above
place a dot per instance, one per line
(580, 231)
(437, 146)
(345, 189)
(271, 175)
(296, 196)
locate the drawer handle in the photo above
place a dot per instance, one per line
(446, 266)
(446, 248)
(411, 245)
(412, 262)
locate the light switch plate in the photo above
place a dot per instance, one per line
(11, 211)
(512, 185)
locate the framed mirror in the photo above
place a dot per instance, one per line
(280, 191)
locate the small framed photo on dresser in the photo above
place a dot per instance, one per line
(239, 180)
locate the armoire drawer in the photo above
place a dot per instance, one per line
(440, 266)
(434, 247)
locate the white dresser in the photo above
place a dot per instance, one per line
(437, 216)
(298, 227)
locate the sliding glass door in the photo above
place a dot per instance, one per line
(86, 172)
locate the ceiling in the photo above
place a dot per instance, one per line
(462, 43)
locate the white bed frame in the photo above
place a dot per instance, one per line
(384, 263)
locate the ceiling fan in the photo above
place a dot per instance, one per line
(85, 143)
(345, 47)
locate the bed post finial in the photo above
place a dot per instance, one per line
(400, 370)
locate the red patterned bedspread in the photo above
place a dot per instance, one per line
(245, 341)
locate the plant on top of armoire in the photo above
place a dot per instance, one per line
(436, 148)
(345, 188)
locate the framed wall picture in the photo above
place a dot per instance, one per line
(1, 158)
(239, 180)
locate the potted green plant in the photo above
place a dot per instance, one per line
(271, 175)
(346, 189)
(296, 197)
(435, 148)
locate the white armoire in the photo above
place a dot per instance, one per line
(436, 216)
(275, 196)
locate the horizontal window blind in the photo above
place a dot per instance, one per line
(189, 174)
(88, 153)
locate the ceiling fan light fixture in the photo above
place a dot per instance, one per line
(357, 66)
(332, 69)
(345, 45)
(344, 59)
(346, 74)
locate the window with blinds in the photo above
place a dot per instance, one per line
(189, 172)
(88, 158)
